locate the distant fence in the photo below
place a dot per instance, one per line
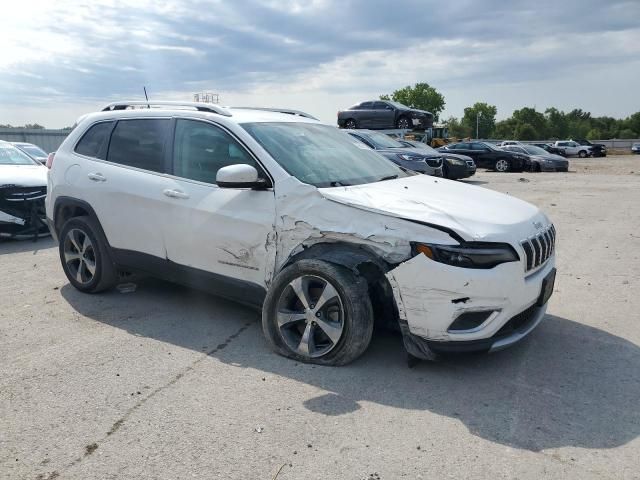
(48, 140)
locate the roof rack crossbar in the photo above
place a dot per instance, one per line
(280, 110)
(201, 107)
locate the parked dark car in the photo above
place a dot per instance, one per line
(487, 155)
(597, 149)
(635, 148)
(454, 166)
(540, 160)
(32, 150)
(384, 114)
(410, 158)
(549, 148)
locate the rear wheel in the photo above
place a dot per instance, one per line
(350, 124)
(503, 165)
(85, 256)
(582, 154)
(317, 312)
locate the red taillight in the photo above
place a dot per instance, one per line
(50, 159)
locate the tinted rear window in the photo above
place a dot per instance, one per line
(139, 143)
(94, 143)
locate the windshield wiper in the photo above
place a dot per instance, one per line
(389, 177)
(338, 183)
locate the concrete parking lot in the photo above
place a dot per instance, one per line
(167, 382)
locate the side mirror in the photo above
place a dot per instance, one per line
(240, 176)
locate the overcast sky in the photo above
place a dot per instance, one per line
(60, 59)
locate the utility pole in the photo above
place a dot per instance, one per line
(478, 115)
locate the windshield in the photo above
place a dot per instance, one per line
(33, 151)
(423, 146)
(10, 155)
(321, 155)
(533, 150)
(380, 140)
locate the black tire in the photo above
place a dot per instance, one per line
(502, 165)
(105, 273)
(445, 170)
(535, 167)
(351, 124)
(582, 154)
(403, 122)
(356, 314)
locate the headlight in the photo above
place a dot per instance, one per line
(411, 158)
(469, 255)
(457, 161)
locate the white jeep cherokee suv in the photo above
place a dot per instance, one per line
(281, 211)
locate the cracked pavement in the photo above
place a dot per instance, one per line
(168, 382)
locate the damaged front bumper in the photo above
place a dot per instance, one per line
(450, 309)
(22, 212)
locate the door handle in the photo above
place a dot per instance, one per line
(97, 177)
(175, 193)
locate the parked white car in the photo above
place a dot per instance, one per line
(570, 148)
(281, 211)
(23, 185)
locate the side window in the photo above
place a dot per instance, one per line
(201, 149)
(381, 106)
(95, 141)
(139, 143)
(463, 146)
(366, 106)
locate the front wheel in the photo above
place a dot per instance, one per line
(350, 124)
(503, 165)
(582, 154)
(403, 122)
(317, 312)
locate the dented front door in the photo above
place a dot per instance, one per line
(225, 231)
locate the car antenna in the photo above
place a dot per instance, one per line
(146, 96)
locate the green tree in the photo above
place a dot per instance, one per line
(456, 129)
(533, 118)
(35, 126)
(557, 123)
(422, 96)
(594, 134)
(627, 133)
(506, 128)
(485, 116)
(526, 131)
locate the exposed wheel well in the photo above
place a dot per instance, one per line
(362, 262)
(66, 208)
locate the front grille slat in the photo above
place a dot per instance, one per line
(540, 248)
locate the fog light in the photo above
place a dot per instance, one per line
(469, 321)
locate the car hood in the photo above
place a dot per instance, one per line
(410, 151)
(473, 212)
(449, 153)
(23, 175)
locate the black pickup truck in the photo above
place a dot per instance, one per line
(384, 114)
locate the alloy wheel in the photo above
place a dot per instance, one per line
(79, 256)
(350, 124)
(502, 165)
(310, 316)
(403, 123)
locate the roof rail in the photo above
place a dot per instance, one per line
(279, 110)
(201, 107)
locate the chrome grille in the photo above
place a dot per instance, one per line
(539, 248)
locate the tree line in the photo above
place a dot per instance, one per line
(527, 123)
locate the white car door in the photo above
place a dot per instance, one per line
(124, 187)
(223, 231)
